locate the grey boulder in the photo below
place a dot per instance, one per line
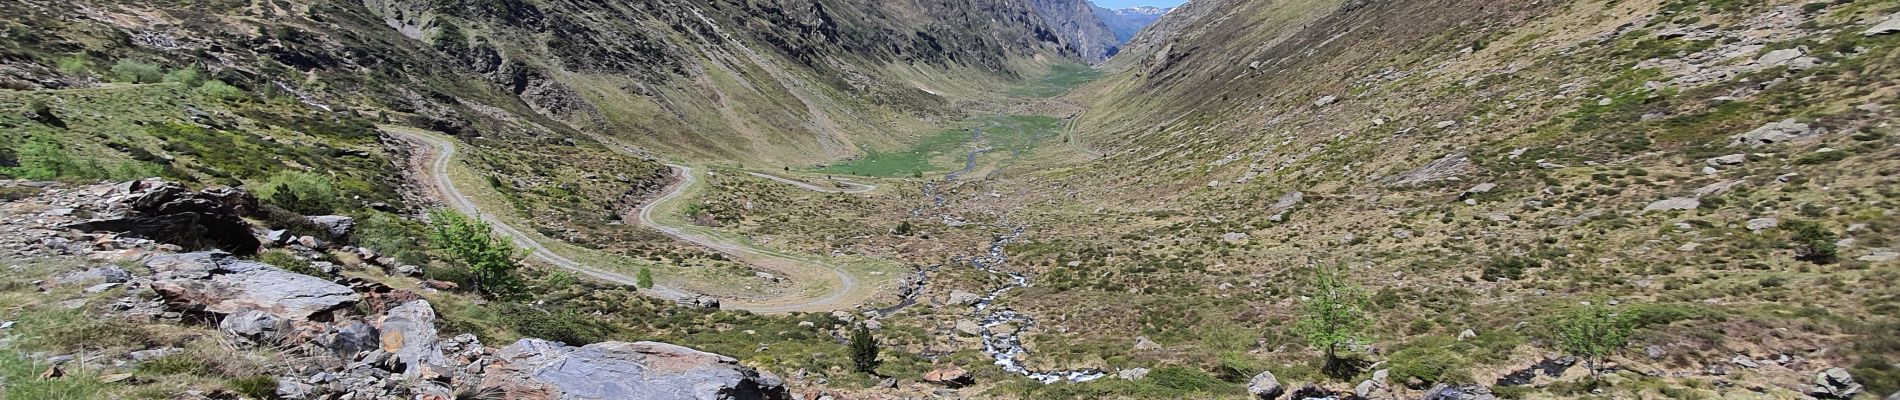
(1774, 132)
(255, 326)
(408, 333)
(1834, 383)
(535, 368)
(1458, 392)
(1265, 386)
(336, 225)
(215, 282)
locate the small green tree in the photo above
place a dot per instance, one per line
(645, 278)
(1813, 242)
(1594, 332)
(472, 243)
(1333, 316)
(864, 350)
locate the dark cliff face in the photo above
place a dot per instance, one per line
(1125, 23)
(1081, 30)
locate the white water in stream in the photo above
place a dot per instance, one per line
(1006, 347)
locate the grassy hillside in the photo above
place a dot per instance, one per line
(1481, 166)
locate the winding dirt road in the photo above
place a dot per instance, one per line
(449, 194)
(843, 295)
(798, 269)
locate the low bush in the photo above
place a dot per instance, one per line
(303, 192)
(131, 71)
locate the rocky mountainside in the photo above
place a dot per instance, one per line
(297, 328)
(783, 82)
(1126, 22)
(1080, 27)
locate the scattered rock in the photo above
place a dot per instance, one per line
(105, 274)
(952, 376)
(1779, 57)
(1444, 168)
(963, 298)
(1654, 352)
(1143, 343)
(1880, 256)
(1673, 204)
(1759, 224)
(348, 338)
(337, 225)
(1459, 392)
(535, 368)
(1717, 188)
(102, 287)
(256, 327)
(1482, 188)
(216, 282)
(1774, 132)
(1745, 361)
(1324, 101)
(1234, 237)
(1132, 374)
(1834, 383)
(1265, 386)
(1731, 159)
(1889, 25)
(153, 354)
(1287, 201)
(969, 327)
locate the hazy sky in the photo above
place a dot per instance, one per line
(1118, 4)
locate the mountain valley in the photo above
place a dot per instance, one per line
(1019, 199)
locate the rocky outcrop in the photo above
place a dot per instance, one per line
(216, 282)
(169, 213)
(1079, 27)
(1444, 168)
(1774, 132)
(1834, 383)
(1453, 392)
(540, 369)
(337, 226)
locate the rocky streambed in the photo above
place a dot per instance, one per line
(1001, 328)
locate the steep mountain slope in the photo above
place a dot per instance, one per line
(1128, 21)
(1080, 28)
(782, 82)
(1488, 166)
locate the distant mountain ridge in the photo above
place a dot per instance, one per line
(1128, 21)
